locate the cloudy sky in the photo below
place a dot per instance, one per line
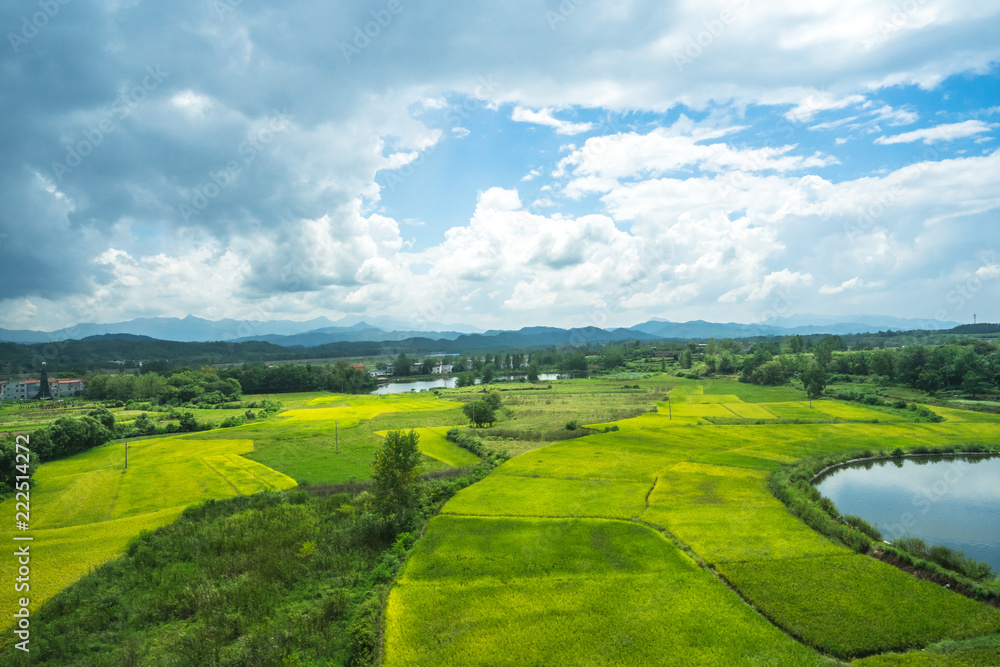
(569, 163)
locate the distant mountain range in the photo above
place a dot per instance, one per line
(323, 331)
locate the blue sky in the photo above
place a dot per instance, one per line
(536, 162)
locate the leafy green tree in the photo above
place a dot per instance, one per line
(465, 379)
(727, 362)
(532, 372)
(489, 372)
(770, 373)
(402, 368)
(815, 378)
(188, 422)
(823, 353)
(612, 357)
(104, 416)
(575, 363)
(795, 344)
(711, 363)
(396, 473)
(687, 359)
(479, 413)
(495, 399)
(144, 425)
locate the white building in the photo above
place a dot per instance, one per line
(442, 369)
(27, 389)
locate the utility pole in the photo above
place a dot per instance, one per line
(670, 410)
(336, 436)
(126, 455)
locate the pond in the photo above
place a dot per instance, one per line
(946, 501)
(450, 383)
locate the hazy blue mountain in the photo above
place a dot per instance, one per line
(323, 331)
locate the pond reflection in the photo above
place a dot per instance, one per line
(947, 501)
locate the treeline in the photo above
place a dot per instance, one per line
(182, 386)
(338, 377)
(971, 366)
(211, 387)
(64, 437)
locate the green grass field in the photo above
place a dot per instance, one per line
(470, 591)
(86, 508)
(615, 548)
(853, 605)
(550, 591)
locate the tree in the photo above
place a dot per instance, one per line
(479, 413)
(711, 363)
(402, 365)
(613, 357)
(575, 363)
(466, 379)
(104, 416)
(532, 372)
(489, 371)
(686, 358)
(495, 399)
(727, 362)
(824, 353)
(770, 373)
(815, 379)
(795, 344)
(396, 473)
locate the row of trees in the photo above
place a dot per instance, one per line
(64, 437)
(180, 387)
(339, 377)
(211, 386)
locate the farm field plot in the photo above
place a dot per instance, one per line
(852, 412)
(434, 444)
(571, 592)
(702, 399)
(703, 410)
(508, 495)
(854, 605)
(706, 487)
(87, 507)
(797, 410)
(750, 410)
(331, 439)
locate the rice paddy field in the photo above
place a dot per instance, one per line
(655, 543)
(86, 508)
(662, 539)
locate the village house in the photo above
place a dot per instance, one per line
(24, 390)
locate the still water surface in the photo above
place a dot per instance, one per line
(447, 383)
(950, 501)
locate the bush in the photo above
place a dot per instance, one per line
(865, 527)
